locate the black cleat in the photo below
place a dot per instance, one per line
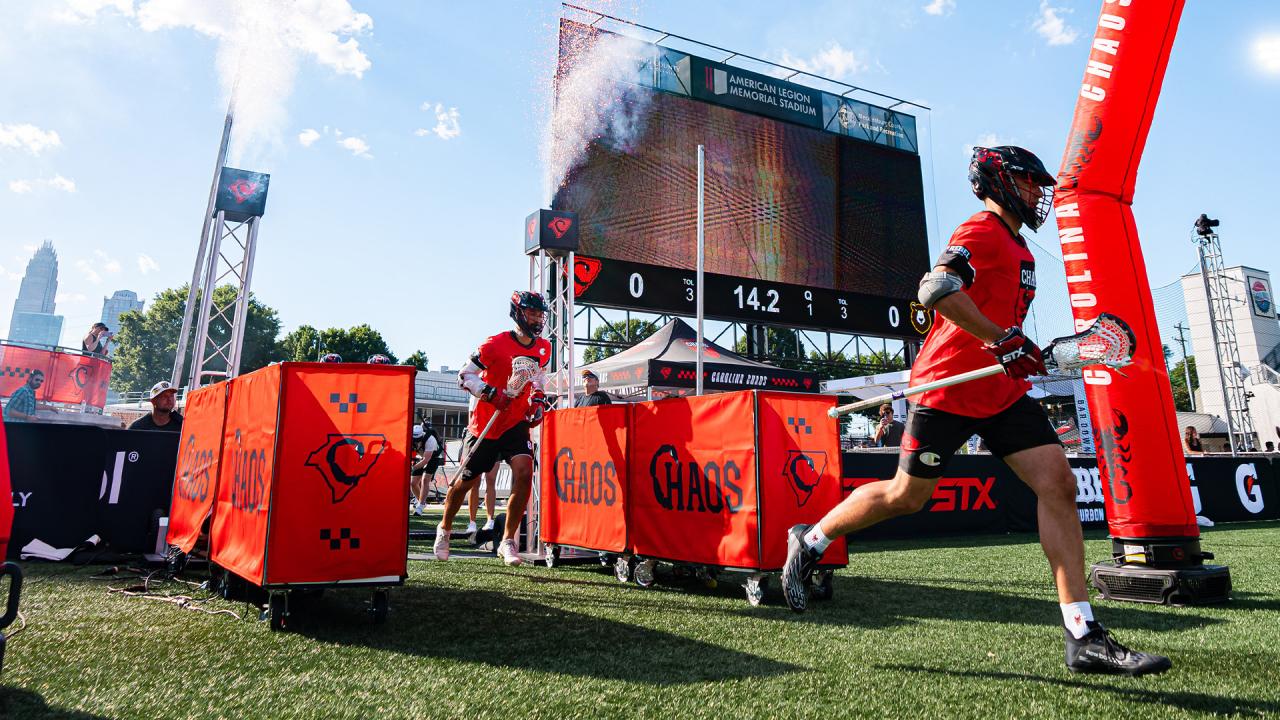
(801, 562)
(1098, 652)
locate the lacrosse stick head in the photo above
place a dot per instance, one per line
(1108, 341)
(524, 370)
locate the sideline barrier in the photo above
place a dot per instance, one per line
(721, 497)
(70, 482)
(70, 377)
(980, 495)
(199, 456)
(313, 475)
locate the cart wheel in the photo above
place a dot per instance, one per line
(380, 606)
(622, 568)
(824, 585)
(708, 577)
(681, 572)
(607, 559)
(278, 610)
(644, 573)
(551, 556)
(756, 586)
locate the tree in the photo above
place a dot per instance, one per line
(782, 346)
(147, 341)
(356, 344)
(418, 359)
(1178, 379)
(628, 333)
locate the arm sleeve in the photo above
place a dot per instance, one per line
(469, 376)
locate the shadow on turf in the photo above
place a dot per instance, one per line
(1126, 692)
(511, 631)
(20, 703)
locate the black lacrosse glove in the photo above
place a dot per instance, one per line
(495, 396)
(1019, 356)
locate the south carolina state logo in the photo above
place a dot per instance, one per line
(585, 272)
(343, 460)
(804, 471)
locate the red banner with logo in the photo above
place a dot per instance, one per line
(584, 477)
(195, 478)
(238, 534)
(799, 466)
(69, 378)
(1139, 451)
(341, 476)
(692, 488)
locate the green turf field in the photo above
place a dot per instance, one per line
(962, 628)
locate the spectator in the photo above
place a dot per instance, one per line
(594, 395)
(22, 404)
(424, 470)
(163, 416)
(1271, 447)
(889, 431)
(96, 342)
(1191, 441)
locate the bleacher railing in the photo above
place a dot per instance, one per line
(71, 377)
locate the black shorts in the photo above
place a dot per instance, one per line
(512, 443)
(933, 436)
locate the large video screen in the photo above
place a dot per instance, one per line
(783, 202)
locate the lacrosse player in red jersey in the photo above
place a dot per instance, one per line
(980, 289)
(486, 376)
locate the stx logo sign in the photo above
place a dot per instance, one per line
(964, 494)
(583, 484)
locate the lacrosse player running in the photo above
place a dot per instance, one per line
(981, 288)
(486, 377)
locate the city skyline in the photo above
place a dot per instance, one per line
(34, 318)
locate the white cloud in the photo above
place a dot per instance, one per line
(357, 146)
(88, 272)
(60, 183)
(1052, 27)
(446, 127)
(146, 265)
(1266, 53)
(81, 11)
(108, 263)
(835, 62)
(985, 140)
(308, 136)
(69, 298)
(940, 7)
(57, 182)
(28, 137)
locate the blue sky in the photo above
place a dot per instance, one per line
(405, 208)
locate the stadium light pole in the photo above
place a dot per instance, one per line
(701, 228)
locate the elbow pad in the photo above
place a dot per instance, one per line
(936, 285)
(469, 379)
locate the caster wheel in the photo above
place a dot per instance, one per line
(551, 556)
(607, 559)
(756, 586)
(707, 577)
(644, 573)
(278, 611)
(622, 568)
(824, 585)
(380, 606)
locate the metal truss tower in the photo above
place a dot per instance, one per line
(1217, 286)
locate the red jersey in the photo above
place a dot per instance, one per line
(999, 274)
(494, 360)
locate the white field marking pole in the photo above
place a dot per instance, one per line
(701, 257)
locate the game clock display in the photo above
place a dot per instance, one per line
(622, 284)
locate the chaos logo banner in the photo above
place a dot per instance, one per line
(803, 471)
(344, 460)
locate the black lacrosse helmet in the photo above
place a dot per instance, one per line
(522, 300)
(991, 172)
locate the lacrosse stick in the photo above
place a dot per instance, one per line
(524, 370)
(1108, 341)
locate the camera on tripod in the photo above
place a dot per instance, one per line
(1205, 225)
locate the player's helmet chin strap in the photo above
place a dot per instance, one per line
(533, 330)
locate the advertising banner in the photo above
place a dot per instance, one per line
(195, 478)
(69, 378)
(1260, 297)
(693, 493)
(238, 532)
(1134, 425)
(799, 470)
(341, 475)
(583, 470)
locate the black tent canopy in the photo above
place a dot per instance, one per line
(668, 360)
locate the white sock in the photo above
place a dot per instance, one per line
(815, 539)
(1074, 617)
(442, 527)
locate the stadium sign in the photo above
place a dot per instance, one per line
(745, 90)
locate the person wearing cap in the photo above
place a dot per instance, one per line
(594, 395)
(163, 416)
